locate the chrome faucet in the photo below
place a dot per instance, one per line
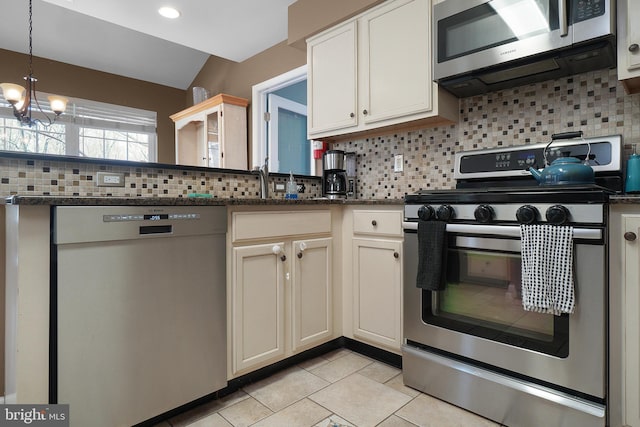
(263, 174)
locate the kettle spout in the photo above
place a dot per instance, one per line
(536, 174)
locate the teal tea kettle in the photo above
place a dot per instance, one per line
(564, 170)
(632, 182)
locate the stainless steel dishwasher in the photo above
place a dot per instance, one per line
(138, 310)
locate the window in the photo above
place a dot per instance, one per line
(86, 129)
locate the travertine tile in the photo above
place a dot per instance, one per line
(427, 411)
(360, 400)
(286, 387)
(302, 413)
(394, 421)
(214, 420)
(336, 354)
(245, 413)
(341, 367)
(334, 421)
(379, 372)
(313, 363)
(397, 383)
(207, 409)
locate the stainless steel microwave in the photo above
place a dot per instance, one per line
(486, 45)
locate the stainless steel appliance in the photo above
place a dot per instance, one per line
(334, 176)
(350, 169)
(138, 303)
(487, 45)
(473, 344)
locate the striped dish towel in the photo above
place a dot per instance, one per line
(547, 268)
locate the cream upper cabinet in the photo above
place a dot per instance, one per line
(387, 79)
(374, 268)
(213, 133)
(624, 326)
(280, 290)
(332, 102)
(629, 44)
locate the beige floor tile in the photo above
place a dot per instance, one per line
(286, 387)
(214, 420)
(394, 421)
(208, 408)
(245, 413)
(334, 421)
(313, 363)
(362, 401)
(427, 411)
(342, 367)
(396, 383)
(337, 354)
(379, 372)
(302, 413)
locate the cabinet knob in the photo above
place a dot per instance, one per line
(302, 247)
(374, 223)
(283, 258)
(630, 236)
(365, 112)
(276, 249)
(300, 255)
(396, 255)
(634, 47)
(352, 115)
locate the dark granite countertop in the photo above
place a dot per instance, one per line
(629, 199)
(186, 201)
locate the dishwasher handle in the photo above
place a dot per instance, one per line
(155, 229)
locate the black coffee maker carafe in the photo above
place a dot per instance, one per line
(334, 176)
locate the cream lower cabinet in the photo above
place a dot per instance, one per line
(280, 286)
(376, 276)
(624, 360)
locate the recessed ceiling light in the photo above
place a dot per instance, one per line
(169, 12)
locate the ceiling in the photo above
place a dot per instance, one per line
(129, 37)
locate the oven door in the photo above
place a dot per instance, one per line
(479, 318)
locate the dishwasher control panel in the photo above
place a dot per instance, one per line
(149, 217)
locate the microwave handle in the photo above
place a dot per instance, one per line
(564, 19)
(507, 231)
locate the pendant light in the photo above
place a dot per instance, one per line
(23, 100)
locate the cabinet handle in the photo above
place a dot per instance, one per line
(634, 47)
(630, 236)
(300, 255)
(365, 112)
(352, 115)
(396, 255)
(374, 223)
(283, 258)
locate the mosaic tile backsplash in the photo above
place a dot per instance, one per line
(593, 102)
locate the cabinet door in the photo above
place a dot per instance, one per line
(257, 302)
(189, 147)
(311, 293)
(395, 71)
(377, 278)
(631, 324)
(331, 83)
(212, 141)
(633, 34)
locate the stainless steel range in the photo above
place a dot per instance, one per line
(471, 343)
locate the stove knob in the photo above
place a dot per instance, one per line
(483, 213)
(527, 214)
(445, 213)
(426, 213)
(557, 215)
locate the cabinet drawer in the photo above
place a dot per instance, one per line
(383, 223)
(260, 225)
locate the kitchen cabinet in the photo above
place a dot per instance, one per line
(213, 133)
(629, 45)
(374, 71)
(280, 285)
(624, 316)
(376, 275)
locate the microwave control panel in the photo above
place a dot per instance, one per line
(586, 9)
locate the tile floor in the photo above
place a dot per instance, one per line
(341, 388)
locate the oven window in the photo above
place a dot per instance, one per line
(483, 297)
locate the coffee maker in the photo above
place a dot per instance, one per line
(334, 176)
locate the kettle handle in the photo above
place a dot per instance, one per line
(566, 135)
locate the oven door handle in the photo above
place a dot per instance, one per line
(505, 230)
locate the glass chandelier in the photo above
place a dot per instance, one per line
(23, 100)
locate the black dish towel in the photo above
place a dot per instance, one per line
(432, 251)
